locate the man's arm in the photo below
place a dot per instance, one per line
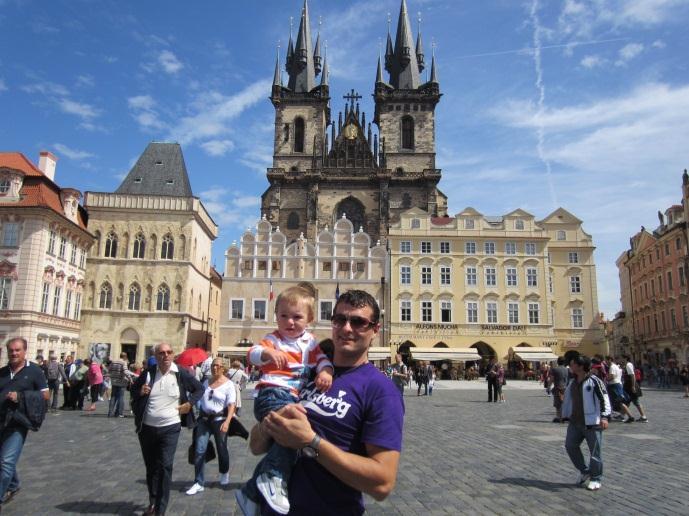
(374, 474)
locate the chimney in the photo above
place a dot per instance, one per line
(47, 163)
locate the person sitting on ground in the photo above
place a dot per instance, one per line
(286, 357)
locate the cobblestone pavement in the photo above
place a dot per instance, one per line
(461, 456)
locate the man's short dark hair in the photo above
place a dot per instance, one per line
(359, 299)
(583, 361)
(610, 357)
(20, 339)
(560, 361)
(571, 355)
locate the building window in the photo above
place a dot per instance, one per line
(510, 248)
(51, 242)
(360, 267)
(82, 258)
(4, 186)
(444, 247)
(167, 248)
(415, 223)
(260, 309)
(471, 275)
(491, 312)
(327, 266)
(134, 302)
(472, 312)
(405, 311)
(426, 276)
(426, 311)
(276, 265)
(45, 297)
(163, 299)
(73, 254)
(405, 247)
(550, 283)
(678, 244)
(325, 310)
(513, 313)
(248, 265)
(519, 224)
(77, 306)
(405, 275)
(561, 235)
(682, 279)
(298, 134)
(470, 247)
(511, 276)
(491, 276)
(446, 311)
(669, 280)
(531, 277)
(577, 318)
(293, 220)
(105, 298)
(530, 248)
(407, 132)
(237, 309)
(262, 264)
(139, 250)
(5, 293)
(667, 248)
(673, 319)
(111, 245)
(534, 313)
(68, 304)
(445, 275)
(575, 284)
(573, 257)
(10, 235)
(426, 247)
(63, 248)
(469, 224)
(343, 267)
(489, 247)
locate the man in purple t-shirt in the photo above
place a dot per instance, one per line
(349, 437)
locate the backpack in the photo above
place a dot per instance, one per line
(52, 371)
(78, 374)
(637, 374)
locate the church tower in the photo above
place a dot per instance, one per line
(325, 169)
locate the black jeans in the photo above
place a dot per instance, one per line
(202, 433)
(76, 392)
(158, 445)
(493, 389)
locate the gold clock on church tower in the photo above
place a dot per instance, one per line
(350, 131)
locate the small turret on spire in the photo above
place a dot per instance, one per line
(379, 72)
(277, 77)
(317, 59)
(434, 72)
(324, 76)
(419, 46)
(389, 50)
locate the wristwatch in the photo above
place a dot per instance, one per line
(311, 449)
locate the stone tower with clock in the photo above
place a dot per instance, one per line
(326, 168)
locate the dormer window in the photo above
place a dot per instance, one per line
(137, 180)
(159, 162)
(170, 182)
(4, 186)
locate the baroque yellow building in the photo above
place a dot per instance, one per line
(493, 283)
(149, 277)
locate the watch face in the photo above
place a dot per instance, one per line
(309, 452)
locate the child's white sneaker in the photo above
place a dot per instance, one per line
(274, 490)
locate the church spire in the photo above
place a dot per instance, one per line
(379, 72)
(419, 46)
(389, 50)
(405, 72)
(277, 76)
(302, 76)
(434, 73)
(324, 75)
(317, 59)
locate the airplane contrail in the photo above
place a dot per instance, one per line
(526, 50)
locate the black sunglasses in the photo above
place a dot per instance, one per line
(356, 322)
(210, 395)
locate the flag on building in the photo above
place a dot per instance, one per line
(271, 295)
(337, 291)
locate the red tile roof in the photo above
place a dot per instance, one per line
(37, 189)
(441, 221)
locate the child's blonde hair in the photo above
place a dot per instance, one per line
(303, 293)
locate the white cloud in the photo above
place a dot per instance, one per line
(46, 88)
(629, 52)
(80, 109)
(231, 209)
(659, 43)
(214, 111)
(86, 81)
(169, 62)
(218, 147)
(141, 102)
(143, 110)
(3, 86)
(592, 61)
(70, 153)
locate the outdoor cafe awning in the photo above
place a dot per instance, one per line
(233, 350)
(533, 354)
(456, 354)
(379, 353)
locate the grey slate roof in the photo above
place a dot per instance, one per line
(160, 170)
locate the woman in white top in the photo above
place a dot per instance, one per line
(239, 378)
(216, 409)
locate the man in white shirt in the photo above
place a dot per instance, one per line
(615, 389)
(163, 398)
(632, 389)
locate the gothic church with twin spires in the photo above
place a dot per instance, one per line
(325, 168)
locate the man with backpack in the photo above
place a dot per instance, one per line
(77, 382)
(55, 374)
(422, 378)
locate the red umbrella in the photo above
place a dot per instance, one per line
(192, 356)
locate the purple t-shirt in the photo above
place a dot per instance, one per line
(361, 407)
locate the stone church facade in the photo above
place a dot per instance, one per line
(368, 171)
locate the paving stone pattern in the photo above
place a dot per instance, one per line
(461, 455)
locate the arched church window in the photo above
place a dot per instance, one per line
(298, 134)
(139, 248)
(134, 297)
(407, 132)
(163, 298)
(167, 249)
(111, 245)
(293, 220)
(105, 298)
(354, 211)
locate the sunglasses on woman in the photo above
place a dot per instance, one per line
(356, 322)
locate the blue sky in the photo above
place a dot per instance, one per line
(576, 103)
